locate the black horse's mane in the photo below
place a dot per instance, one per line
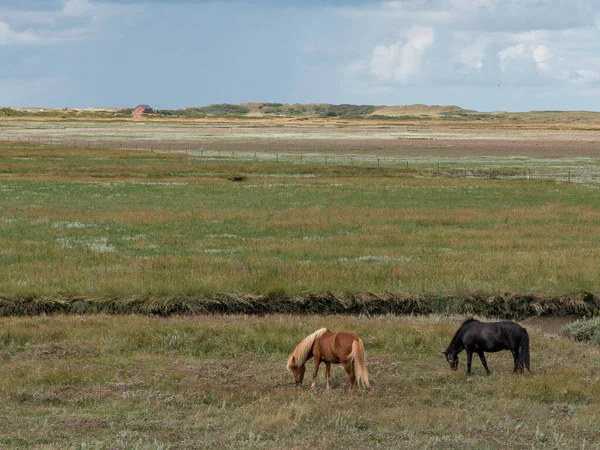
(462, 325)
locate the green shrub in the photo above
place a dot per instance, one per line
(224, 109)
(596, 337)
(584, 330)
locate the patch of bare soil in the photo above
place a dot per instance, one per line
(549, 325)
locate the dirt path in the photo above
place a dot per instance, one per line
(549, 325)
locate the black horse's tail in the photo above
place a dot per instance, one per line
(524, 351)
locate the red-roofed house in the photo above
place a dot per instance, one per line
(140, 110)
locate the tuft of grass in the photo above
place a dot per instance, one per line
(584, 330)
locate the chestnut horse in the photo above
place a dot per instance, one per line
(331, 348)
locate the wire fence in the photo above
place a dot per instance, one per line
(577, 170)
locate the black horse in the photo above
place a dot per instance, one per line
(478, 337)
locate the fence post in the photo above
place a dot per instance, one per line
(569, 176)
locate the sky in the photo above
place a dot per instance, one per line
(487, 55)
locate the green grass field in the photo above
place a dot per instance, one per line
(137, 226)
(133, 382)
(122, 224)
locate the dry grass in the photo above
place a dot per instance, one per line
(220, 382)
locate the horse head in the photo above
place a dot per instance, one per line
(297, 372)
(452, 359)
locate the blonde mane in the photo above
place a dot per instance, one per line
(300, 353)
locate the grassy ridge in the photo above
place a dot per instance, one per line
(220, 382)
(229, 111)
(108, 224)
(505, 306)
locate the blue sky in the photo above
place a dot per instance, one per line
(514, 55)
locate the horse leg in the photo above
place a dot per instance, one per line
(315, 371)
(327, 373)
(349, 367)
(518, 366)
(484, 362)
(469, 359)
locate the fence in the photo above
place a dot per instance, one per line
(578, 170)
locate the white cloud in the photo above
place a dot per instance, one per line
(512, 53)
(399, 11)
(533, 45)
(472, 55)
(486, 15)
(530, 36)
(75, 20)
(402, 60)
(10, 36)
(77, 8)
(582, 77)
(472, 4)
(541, 56)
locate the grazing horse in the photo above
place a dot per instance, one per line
(479, 337)
(332, 348)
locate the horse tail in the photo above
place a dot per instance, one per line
(357, 358)
(524, 350)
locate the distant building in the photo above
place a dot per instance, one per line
(140, 110)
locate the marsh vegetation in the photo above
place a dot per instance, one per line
(132, 224)
(220, 382)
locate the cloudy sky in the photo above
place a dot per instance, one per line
(514, 55)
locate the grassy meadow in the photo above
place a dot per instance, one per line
(127, 226)
(123, 224)
(134, 382)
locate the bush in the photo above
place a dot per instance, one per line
(596, 337)
(584, 330)
(224, 109)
